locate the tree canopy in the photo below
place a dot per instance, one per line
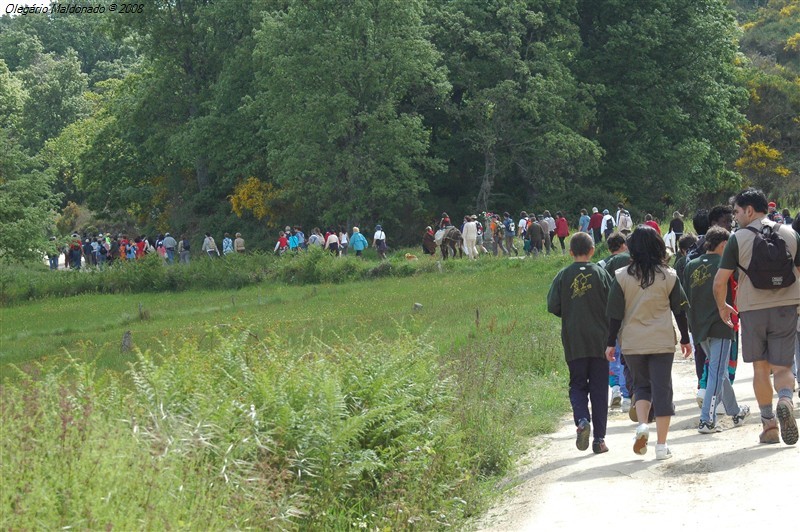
(198, 115)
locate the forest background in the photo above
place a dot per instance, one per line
(193, 116)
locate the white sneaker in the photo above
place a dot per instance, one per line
(663, 452)
(701, 395)
(640, 440)
(738, 419)
(626, 404)
(616, 397)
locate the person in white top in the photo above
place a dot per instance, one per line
(470, 234)
(332, 243)
(343, 241)
(379, 242)
(608, 224)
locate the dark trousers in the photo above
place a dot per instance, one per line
(652, 380)
(699, 362)
(596, 234)
(588, 380)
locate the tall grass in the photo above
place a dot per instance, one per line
(254, 433)
(151, 274)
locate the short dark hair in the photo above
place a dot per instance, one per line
(715, 236)
(718, 212)
(615, 241)
(686, 241)
(648, 217)
(581, 244)
(700, 221)
(752, 197)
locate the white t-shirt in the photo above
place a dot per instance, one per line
(522, 225)
(379, 235)
(608, 222)
(343, 238)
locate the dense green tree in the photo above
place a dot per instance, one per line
(668, 112)
(55, 88)
(516, 105)
(27, 202)
(333, 80)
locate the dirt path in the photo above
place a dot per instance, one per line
(726, 479)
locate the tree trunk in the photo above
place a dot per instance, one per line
(489, 174)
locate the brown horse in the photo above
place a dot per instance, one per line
(452, 241)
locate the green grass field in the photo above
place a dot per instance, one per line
(351, 381)
(91, 326)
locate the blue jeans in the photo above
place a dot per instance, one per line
(171, 255)
(718, 387)
(53, 262)
(616, 375)
(797, 357)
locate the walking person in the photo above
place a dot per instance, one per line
(470, 234)
(343, 242)
(607, 224)
(583, 222)
(676, 225)
(579, 295)
(618, 380)
(595, 222)
(639, 306)
(768, 298)
(227, 245)
(509, 230)
(358, 242)
(184, 249)
(379, 241)
(714, 335)
(238, 244)
(562, 230)
(209, 246)
(169, 247)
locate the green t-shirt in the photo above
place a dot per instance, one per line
(578, 296)
(680, 265)
(704, 320)
(615, 262)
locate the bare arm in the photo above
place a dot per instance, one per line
(720, 294)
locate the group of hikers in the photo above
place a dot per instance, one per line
(538, 232)
(106, 249)
(617, 321)
(338, 242)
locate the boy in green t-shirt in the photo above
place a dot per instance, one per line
(578, 296)
(710, 332)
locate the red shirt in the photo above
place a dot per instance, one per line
(654, 225)
(140, 249)
(595, 221)
(283, 242)
(562, 227)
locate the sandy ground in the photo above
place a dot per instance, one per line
(726, 480)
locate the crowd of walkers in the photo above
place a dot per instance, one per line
(617, 318)
(105, 249)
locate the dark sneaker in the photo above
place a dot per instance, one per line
(599, 447)
(706, 427)
(769, 431)
(785, 414)
(632, 412)
(582, 441)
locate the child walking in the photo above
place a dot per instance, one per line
(578, 296)
(710, 331)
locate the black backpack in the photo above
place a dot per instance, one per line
(771, 264)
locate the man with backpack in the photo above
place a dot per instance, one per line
(768, 257)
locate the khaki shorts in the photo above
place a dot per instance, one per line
(769, 335)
